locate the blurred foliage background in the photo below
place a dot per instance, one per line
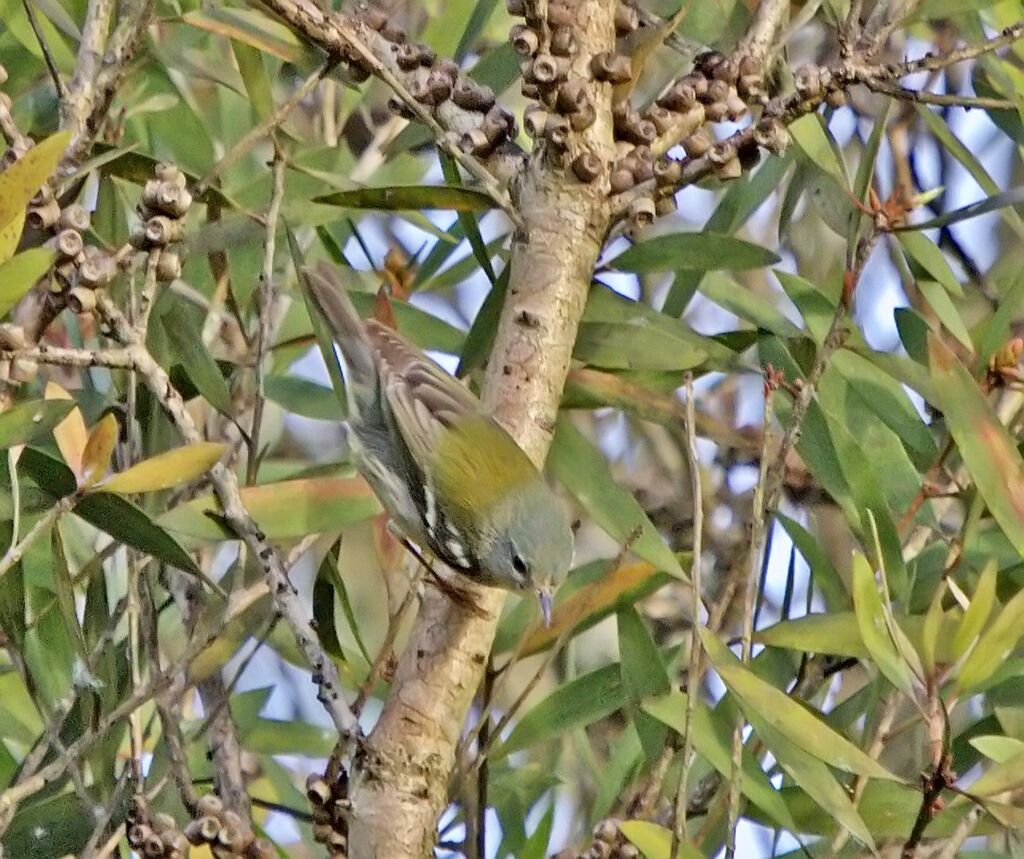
(883, 706)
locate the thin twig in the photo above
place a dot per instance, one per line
(265, 304)
(679, 833)
(758, 525)
(51, 66)
(42, 526)
(77, 104)
(262, 129)
(967, 102)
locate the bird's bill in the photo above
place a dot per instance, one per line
(544, 598)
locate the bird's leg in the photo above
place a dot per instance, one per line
(455, 594)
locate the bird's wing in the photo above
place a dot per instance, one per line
(424, 399)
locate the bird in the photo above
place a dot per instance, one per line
(450, 477)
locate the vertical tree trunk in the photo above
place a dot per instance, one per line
(400, 786)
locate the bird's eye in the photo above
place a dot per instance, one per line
(518, 564)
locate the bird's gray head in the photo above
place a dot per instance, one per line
(529, 544)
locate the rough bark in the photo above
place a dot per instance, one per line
(400, 784)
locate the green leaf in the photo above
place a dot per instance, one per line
(284, 510)
(989, 453)
(999, 638)
(25, 422)
(939, 301)
(836, 633)
(874, 630)
(711, 735)
(303, 397)
(20, 273)
(112, 514)
(693, 252)
(990, 204)
(823, 572)
(786, 716)
(196, 360)
(1005, 776)
(816, 143)
(978, 611)
(747, 304)
(572, 705)
(409, 197)
(643, 672)
(585, 473)
(923, 251)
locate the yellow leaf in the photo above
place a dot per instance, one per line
(166, 469)
(20, 181)
(10, 233)
(98, 450)
(588, 600)
(70, 434)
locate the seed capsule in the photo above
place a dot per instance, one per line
(586, 166)
(613, 68)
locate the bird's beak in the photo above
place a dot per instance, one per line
(544, 597)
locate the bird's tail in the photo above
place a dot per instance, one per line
(329, 297)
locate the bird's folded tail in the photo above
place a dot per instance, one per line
(329, 297)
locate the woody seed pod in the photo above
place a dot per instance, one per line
(698, 82)
(524, 40)
(137, 834)
(322, 832)
(667, 171)
(168, 267)
(393, 33)
(771, 134)
(535, 118)
(607, 830)
(69, 243)
(735, 106)
(516, 8)
(420, 91)
(749, 86)
(641, 212)
(628, 851)
(613, 68)
(231, 837)
(749, 65)
(43, 216)
(530, 90)
(318, 792)
(556, 131)
(571, 95)
(808, 82)
(97, 271)
(727, 71)
(407, 56)
(644, 170)
(167, 171)
(471, 96)
(373, 16)
(716, 91)
(440, 86)
(563, 42)
(75, 217)
(707, 62)
(11, 336)
(475, 142)
(209, 804)
(549, 69)
(621, 181)
(666, 206)
(561, 14)
(697, 144)
(162, 230)
(498, 124)
(679, 97)
(661, 118)
(153, 847)
(716, 111)
(721, 153)
(260, 848)
(626, 19)
(584, 117)
(586, 166)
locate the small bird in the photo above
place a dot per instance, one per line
(451, 479)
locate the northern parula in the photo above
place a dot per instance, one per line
(450, 477)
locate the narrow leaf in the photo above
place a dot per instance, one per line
(20, 273)
(70, 434)
(693, 252)
(168, 469)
